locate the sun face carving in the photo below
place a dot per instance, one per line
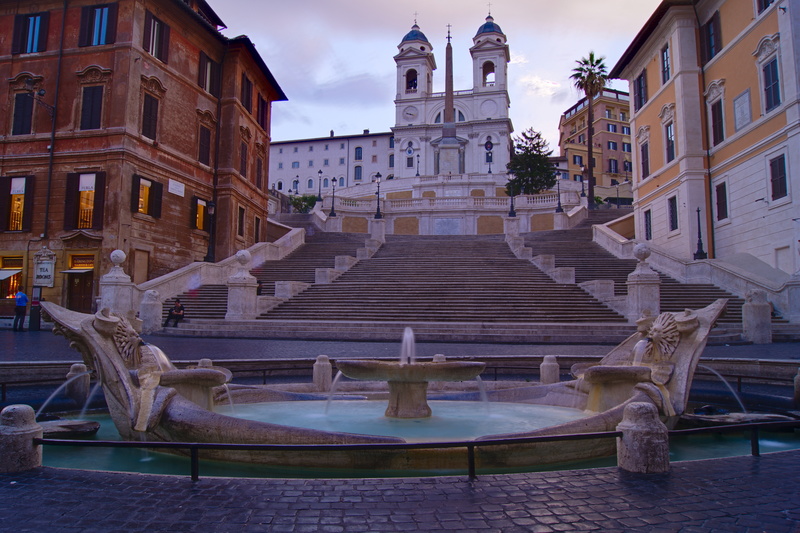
(664, 337)
(127, 341)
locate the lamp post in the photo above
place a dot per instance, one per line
(319, 183)
(700, 253)
(333, 200)
(617, 185)
(512, 212)
(417, 165)
(378, 214)
(559, 209)
(583, 172)
(212, 209)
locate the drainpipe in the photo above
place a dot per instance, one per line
(212, 235)
(51, 149)
(709, 204)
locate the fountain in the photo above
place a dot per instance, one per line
(149, 399)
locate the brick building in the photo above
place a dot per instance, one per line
(134, 125)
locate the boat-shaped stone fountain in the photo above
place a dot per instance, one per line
(151, 400)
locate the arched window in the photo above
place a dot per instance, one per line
(280, 185)
(488, 74)
(341, 182)
(310, 183)
(411, 81)
(296, 185)
(461, 117)
(325, 183)
(357, 173)
(359, 153)
(438, 119)
(391, 142)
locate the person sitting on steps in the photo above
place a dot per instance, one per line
(176, 314)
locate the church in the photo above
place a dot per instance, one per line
(463, 136)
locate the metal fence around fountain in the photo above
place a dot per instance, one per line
(195, 447)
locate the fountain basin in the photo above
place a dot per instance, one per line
(374, 370)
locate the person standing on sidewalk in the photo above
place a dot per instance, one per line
(19, 311)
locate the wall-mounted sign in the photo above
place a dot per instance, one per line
(176, 187)
(44, 273)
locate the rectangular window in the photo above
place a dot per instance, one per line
(257, 230)
(204, 146)
(23, 114)
(612, 128)
(98, 25)
(91, 107)
(626, 147)
(156, 37)
(627, 166)
(645, 153)
(777, 177)
(243, 160)
(612, 145)
(325, 162)
(311, 148)
(582, 138)
(310, 163)
(626, 130)
(409, 162)
(341, 160)
(764, 4)
(84, 201)
(247, 93)
(721, 193)
(295, 164)
(391, 160)
(623, 116)
(711, 36)
(359, 154)
(146, 196)
(613, 166)
(374, 158)
(772, 90)
(357, 173)
(200, 217)
(669, 137)
(577, 160)
(30, 33)
(280, 166)
(648, 225)
(262, 114)
(16, 203)
(717, 125)
(259, 173)
(240, 222)
(665, 73)
(672, 207)
(640, 90)
(150, 117)
(208, 75)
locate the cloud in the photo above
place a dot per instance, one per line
(537, 86)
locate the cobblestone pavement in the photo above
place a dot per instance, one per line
(741, 494)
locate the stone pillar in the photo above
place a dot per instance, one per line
(549, 370)
(377, 229)
(757, 318)
(644, 287)
(18, 428)
(78, 388)
(242, 287)
(322, 373)
(151, 311)
(116, 288)
(560, 221)
(644, 445)
(511, 227)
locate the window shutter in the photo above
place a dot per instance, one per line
(204, 148)
(148, 27)
(27, 208)
(156, 190)
(193, 214)
(91, 107)
(5, 201)
(71, 201)
(99, 200)
(201, 72)
(84, 38)
(23, 114)
(717, 26)
(135, 193)
(164, 43)
(43, 24)
(111, 32)
(215, 79)
(16, 42)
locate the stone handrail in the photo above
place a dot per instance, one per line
(452, 202)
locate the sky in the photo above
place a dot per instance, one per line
(334, 58)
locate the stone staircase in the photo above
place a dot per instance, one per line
(473, 279)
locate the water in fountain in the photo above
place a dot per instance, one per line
(334, 384)
(408, 349)
(728, 385)
(89, 399)
(638, 351)
(230, 398)
(58, 390)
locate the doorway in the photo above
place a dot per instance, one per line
(80, 291)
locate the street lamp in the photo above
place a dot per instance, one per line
(417, 165)
(583, 172)
(559, 209)
(333, 200)
(211, 207)
(319, 182)
(512, 212)
(378, 214)
(700, 253)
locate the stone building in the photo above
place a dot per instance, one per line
(716, 131)
(131, 124)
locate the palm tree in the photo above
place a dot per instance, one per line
(590, 77)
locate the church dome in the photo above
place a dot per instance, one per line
(414, 35)
(489, 27)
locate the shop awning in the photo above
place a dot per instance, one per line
(5, 274)
(77, 271)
